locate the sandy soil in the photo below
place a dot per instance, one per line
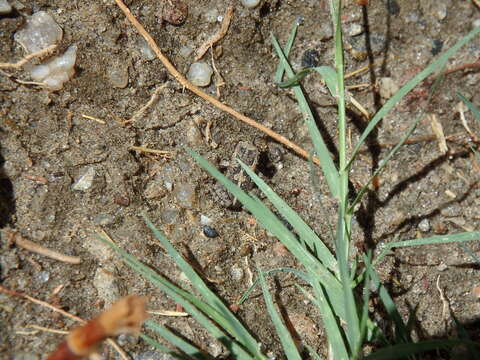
(46, 145)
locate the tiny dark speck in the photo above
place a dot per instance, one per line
(311, 58)
(210, 232)
(437, 47)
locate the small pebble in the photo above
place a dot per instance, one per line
(42, 276)
(354, 29)
(118, 76)
(236, 273)
(441, 10)
(442, 267)
(250, 4)
(40, 31)
(205, 220)
(424, 225)
(175, 12)
(437, 47)
(171, 216)
(476, 291)
(122, 200)
(85, 181)
(209, 231)
(200, 74)
(186, 195)
(106, 284)
(5, 7)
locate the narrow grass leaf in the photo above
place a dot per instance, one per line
(436, 65)
(303, 230)
(272, 224)
(286, 340)
(312, 352)
(433, 240)
(164, 349)
(189, 302)
(186, 347)
(326, 162)
(473, 109)
(327, 73)
(228, 321)
(341, 245)
(330, 321)
(296, 272)
(402, 351)
(288, 46)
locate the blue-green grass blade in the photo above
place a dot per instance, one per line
(473, 109)
(163, 348)
(296, 272)
(192, 305)
(288, 46)
(186, 347)
(303, 230)
(286, 340)
(402, 351)
(401, 331)
(229, 321)
(272, 224)
(436, 65)
(433, 240)
(327, 73)
(341, 246)
(312, 352)
(326, 162)
(330, 320)
(365, 298)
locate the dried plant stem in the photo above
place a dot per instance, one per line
(39, 249)
(187, 84)
(217, 36)
(27, 58)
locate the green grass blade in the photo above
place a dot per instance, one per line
(229, 321)
(341, 245)
(284, 335)
(401, 332)
(473, 109)
(327, 73)
(326, 162)
(164, 349)
(303, 230)
(177, 341)
(272, 224)
(438, 239)
(288, 46)
(298, 273)
(312, 352)
(190, 303)
(436, 65)
(402, 351)
(330, 321)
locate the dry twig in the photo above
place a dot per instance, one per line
(144, 108)
(38, 249)
(28, 57)
(217, 36)
(187, 84)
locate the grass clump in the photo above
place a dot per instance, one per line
(339, 286)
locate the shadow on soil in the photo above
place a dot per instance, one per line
(7, 202)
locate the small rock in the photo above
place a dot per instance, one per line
(8, 261)
(354, 29)
(209, 232)
(118, 76)
(356, 45)
(85, 181)
(106, 284)
(40, 32)
(442, 267)
(200, 74)
(250, 4)
(236, 273)
(437, 47)
(5, 7)
(424, 225)
(205, 220)
(476, 292)
(42, 277)
(441, 10)
(154, 189)
(171, 217)
(103, 219)
(186, 195)
(175, 12)
(387, 87)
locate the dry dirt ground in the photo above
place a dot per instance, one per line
(46, 145)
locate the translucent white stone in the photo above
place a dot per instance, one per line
(40, 31)
(200, 74)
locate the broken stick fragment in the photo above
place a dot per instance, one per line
(125, 316)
